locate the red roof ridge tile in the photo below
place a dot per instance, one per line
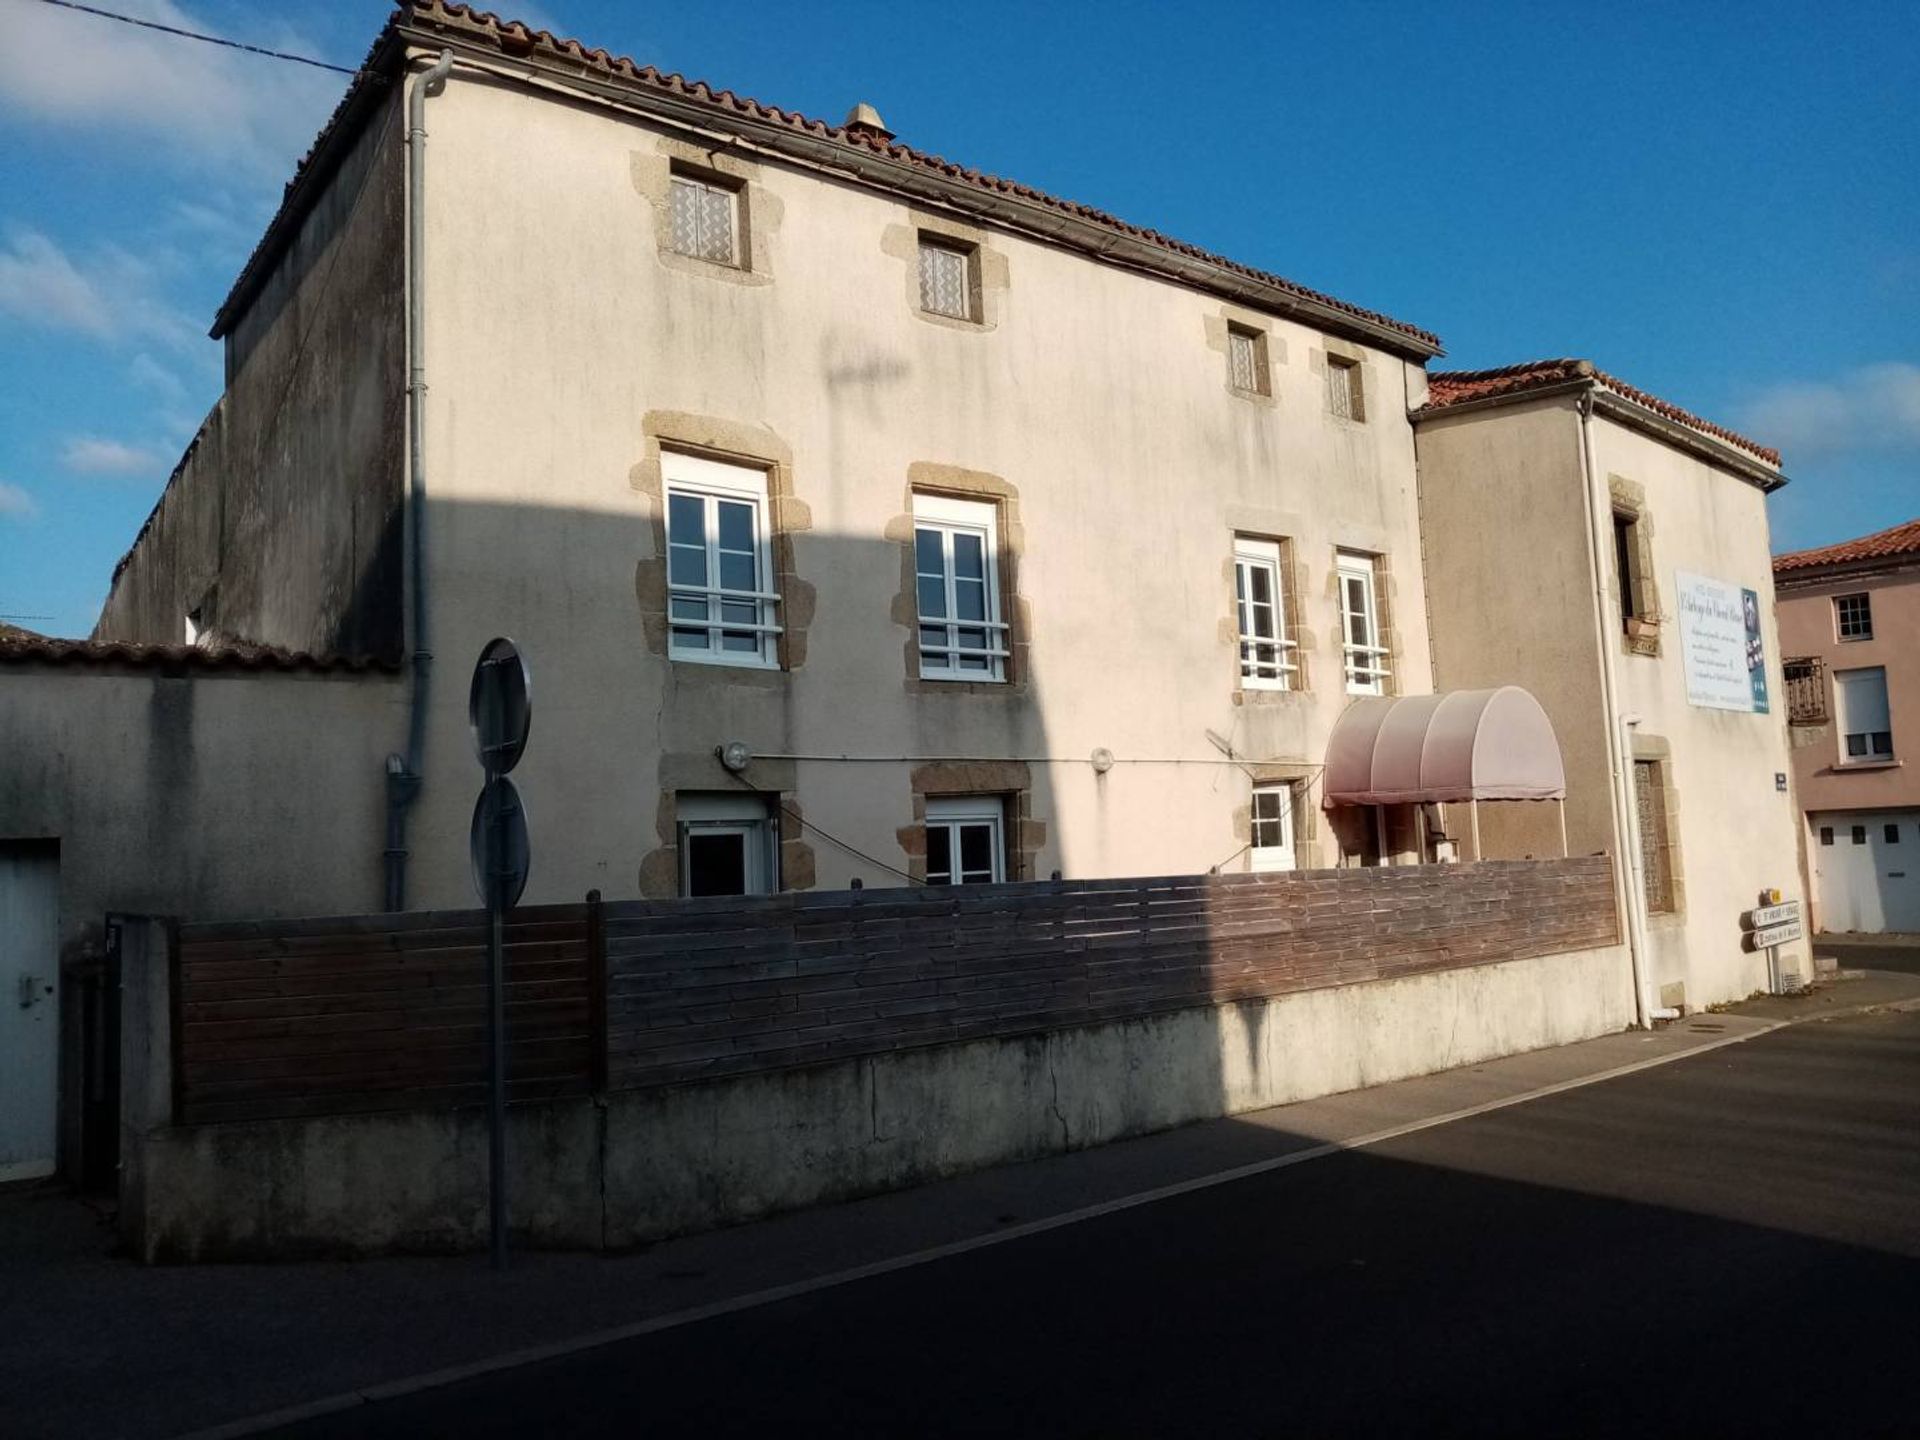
(1890, 543)
(518, 38)
(1457, 387)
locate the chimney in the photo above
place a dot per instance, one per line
(865, 121)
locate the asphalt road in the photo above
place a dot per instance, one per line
(1729, 1244)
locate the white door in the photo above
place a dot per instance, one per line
(29, 1009)
(1866, 867)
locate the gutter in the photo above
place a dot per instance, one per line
(1638, 417)
(1629, 883)
(897, 178)
(404, 771)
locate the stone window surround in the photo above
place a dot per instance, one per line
(659, 875)
(1629, 501)
(1011, 780)
(1383, 608)
(757, 214)
(1270, 351)
(787, 515)
(1658, 749)
(988, 269)
(1307, 830)
(1331, 350)
(924, 477)
(1293, 581)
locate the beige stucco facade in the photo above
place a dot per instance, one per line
(1514, 495)
(569, 350)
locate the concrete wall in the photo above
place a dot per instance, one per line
(568, 350)
(193, 793)
(1510, 593)
(281, 525)
(668, 1161)
(1807, 629)
(1736, 833)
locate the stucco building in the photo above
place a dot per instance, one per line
(1850, 629)
(1608, 551)
(1002, 537)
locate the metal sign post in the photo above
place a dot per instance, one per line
(1768, 926)
(500, 710)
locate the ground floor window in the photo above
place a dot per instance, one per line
(727, 843)
(1656, 856)
(1272, 847)
(966, 840)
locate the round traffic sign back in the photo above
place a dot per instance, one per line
(500, 706)
(498, 845)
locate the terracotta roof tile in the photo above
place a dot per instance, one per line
(1896, 540)
(47, 650)
(1457, 387)
(516, 38)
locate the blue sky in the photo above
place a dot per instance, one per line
(1718, 202)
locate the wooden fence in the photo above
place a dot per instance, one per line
(283, 1018)
(286, 1018)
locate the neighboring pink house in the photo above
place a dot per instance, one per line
(1850, 634)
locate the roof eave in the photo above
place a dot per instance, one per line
(1710, 448)
(1864, 567)
(824, 152)
(1706, 447)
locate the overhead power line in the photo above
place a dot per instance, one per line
(196, 35)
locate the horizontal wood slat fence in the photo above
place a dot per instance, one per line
(311, 1017)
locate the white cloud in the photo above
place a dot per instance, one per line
(39, 283)
(1873, 407)
(194, 102)
(91, 455)
(110, 294)
(16, 504)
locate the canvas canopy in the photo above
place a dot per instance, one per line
(1460, 745)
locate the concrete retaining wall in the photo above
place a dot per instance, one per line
(640, 1166)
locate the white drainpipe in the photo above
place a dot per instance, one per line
(1629, 883)
(404, 770)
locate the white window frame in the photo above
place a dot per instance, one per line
(681, 183)
(1271, 857)
(1846, 684)
(963, 253)
(747, 815)
(1865, 597)
(949, 517)
(954, 813)
(1249, 557)
(710, 482)
(1365, 664)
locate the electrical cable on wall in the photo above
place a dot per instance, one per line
(806, 824)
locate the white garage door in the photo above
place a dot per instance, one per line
(1866, 868)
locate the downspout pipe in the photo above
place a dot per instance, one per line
(1628, 883)
(404, 771)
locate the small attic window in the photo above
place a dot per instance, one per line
(1345, 397)
(947, 285)
(1247, 360)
